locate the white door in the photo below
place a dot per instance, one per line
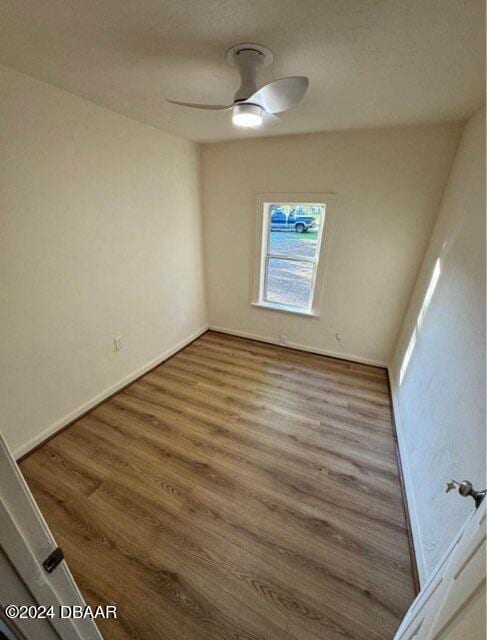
(25, 543)
(452, 604)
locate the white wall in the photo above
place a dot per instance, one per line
(440, 403)
(100, 234)
(388, 185)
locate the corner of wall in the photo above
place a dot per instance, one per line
(409, 498)
(92, 403)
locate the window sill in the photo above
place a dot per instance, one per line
(284, 309)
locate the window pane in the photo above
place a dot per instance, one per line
(289, 282)
(294, 229)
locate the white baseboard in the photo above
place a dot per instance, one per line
(408, 484)
(300, 347)
(86, 406)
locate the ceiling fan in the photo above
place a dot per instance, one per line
(253, 107)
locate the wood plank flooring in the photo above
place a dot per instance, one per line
(240, 491)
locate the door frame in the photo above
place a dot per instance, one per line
(26, 541)
(425, 619)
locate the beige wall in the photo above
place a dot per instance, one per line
(388, 185)
(440, 402)
(100, 235)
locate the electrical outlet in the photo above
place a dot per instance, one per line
(117, 343)
(282, 339)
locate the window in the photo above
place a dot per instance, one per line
(290, 254)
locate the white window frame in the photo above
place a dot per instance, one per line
(262, 253)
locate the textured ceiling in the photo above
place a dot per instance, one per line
(370, 62)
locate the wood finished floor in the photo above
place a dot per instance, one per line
(240, 491)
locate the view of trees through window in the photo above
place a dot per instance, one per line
(293, 243)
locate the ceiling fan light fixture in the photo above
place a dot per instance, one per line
(253, 107)
(247, 115)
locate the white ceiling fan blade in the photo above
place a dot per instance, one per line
(281, 94)
(210, 107)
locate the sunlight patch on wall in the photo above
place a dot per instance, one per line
(429, 293)
(407, 355)
(435, 276)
